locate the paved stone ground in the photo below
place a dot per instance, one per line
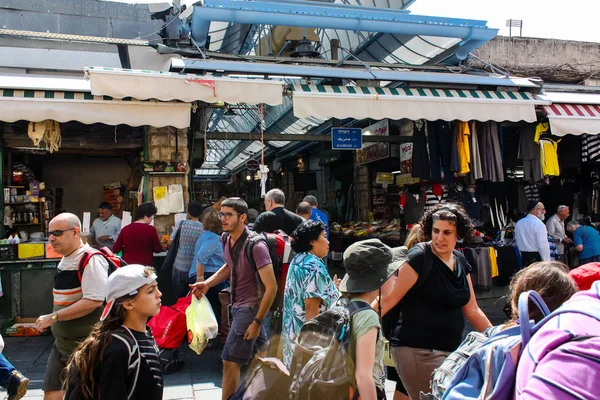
(200, 377)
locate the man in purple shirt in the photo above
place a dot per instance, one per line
(247, 337)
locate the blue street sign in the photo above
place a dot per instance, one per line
(346, 138)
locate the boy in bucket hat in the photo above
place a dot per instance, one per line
(369, 264)
(120, 359)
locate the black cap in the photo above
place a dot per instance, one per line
(531, 205)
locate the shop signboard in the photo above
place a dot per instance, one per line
(346, 138)
(375, 151)
(252, 165)
(406, 152)
(406, 179)
(386, 178)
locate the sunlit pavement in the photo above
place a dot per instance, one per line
(200, 377)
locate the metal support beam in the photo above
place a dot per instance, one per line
(300, 138)
(338, 16)
(265, 69)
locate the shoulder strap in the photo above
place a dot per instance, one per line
(354, 307)
(85, 259)
(130, 342)
(523, 304)
(224, 237)
(254, 238)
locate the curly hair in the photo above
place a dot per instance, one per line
(305, 233)
(550, 279)
(213, 223)
(448, 212)
(86, 360)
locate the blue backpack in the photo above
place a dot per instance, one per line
(489, 372)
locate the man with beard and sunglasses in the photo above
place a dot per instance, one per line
(531, 235)
(77, 300)
(251, 299)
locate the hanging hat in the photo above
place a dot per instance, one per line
(125, 281)
(369, 263)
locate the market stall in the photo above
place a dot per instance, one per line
(70, 143)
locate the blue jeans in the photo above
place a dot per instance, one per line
(6, 369)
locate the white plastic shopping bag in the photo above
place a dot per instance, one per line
(201, 323)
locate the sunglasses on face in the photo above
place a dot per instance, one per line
(58, 232)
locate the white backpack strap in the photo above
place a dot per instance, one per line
(287, 250)
(133, 363)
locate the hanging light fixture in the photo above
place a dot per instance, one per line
(305, 49)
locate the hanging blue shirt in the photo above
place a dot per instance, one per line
(208, 253)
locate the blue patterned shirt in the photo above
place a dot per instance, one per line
(307, 278)
(190, 231)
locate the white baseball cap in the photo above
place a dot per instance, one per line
(125, 281)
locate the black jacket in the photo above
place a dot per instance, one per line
(277, 219)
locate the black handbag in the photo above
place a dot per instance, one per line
(166, 270)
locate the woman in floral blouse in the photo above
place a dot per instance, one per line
(309, 290)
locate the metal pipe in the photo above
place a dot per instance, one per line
(343, 17)
(190, 65)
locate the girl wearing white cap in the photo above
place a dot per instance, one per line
(119, 360)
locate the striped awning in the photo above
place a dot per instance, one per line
(413, 103)
(573, 119)
(37, 98)
(166, 86)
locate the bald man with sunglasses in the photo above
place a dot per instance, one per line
(77, 301)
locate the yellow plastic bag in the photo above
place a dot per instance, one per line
(201, 324)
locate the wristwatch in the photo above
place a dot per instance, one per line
(54, 317)
(258, 321)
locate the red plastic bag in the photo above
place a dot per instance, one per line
(169, 325)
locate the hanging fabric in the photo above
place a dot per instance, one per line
(462, 145)
(491, 161)
(529, 152)
(476, 171)
(549, 157)
(263, 170)
(420, 162)
(439, 136)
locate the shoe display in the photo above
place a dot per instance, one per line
(17, 386)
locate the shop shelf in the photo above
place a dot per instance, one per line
(165, 173)
(21, 204)
(27, 224)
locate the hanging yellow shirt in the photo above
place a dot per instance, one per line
(540, 128)
(493, 262)
(462, 143)
(549, 157)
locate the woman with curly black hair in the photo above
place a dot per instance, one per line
(435, 287)
(309, 290)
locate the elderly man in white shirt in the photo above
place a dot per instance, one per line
(556, 230)
(531, 235)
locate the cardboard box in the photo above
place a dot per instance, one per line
(31, 250)
(51, 253)
(22, 327)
